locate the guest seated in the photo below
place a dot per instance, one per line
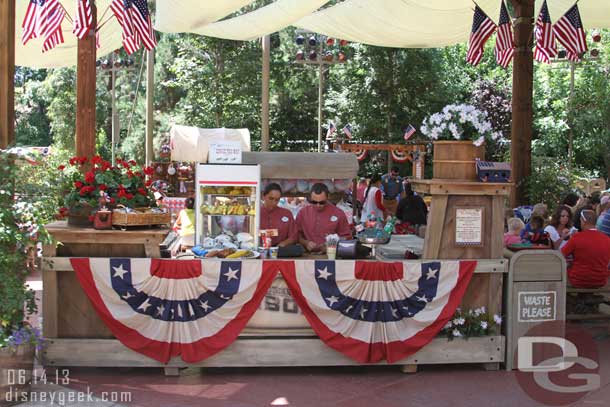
(319, 219)
(412, 209)
(560, 226)
(513, 236)
(591, 252)
(536, 235)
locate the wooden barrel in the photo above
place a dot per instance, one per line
(456, 159)
(16, 365)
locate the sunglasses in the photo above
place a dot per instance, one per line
(321, 203)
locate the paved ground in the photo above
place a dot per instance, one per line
(319, 387)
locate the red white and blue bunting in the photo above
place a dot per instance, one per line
(369, 311)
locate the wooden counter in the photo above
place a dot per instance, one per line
(66, 308)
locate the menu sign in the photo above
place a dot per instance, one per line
(537, 306)
(225, 152)
(469, 226)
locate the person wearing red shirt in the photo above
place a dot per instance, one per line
(319, 219)
(591, 251)
(274, 217)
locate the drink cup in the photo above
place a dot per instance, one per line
(263, 251)
(273, 252)
(331, 252)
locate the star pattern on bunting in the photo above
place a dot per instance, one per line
(324, 273)
(231, 274)
(119, 271)
(431, 273)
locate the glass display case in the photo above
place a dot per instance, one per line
(227, 201)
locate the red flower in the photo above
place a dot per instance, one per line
(90, 177)
(103, 187)
(112, 200)
(125, 164)
(61, 167)
(149, 171)
(129, 196)
(142, 191)
(148, 183)
(106, 165)
(78, 184)
(82, 160)
(96, 160)
(73, 160)
(132, 162)
(63, 210)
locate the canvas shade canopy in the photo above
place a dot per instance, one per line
(394, 23)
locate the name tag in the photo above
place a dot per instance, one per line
(285, 219)
(334, 218)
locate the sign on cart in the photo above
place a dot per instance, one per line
(225, 152)
(537, 306)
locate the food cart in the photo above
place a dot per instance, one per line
(274, 323)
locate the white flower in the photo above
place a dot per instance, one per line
(484, 324)
(479, 142)
(497, 319)
(483, 309)
(448, 325)
(456, 333)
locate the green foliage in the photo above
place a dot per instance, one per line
(472, 323)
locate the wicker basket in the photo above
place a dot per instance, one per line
(141, 217)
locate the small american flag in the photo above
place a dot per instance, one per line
(140, 18)
(31, 25)
(330, 131)
(347, 129)
(131, 41)
(505, 47)
(570, 33)
(482, 28)
(409, 131)
(545, 38)
(51, 17)
(83, 18)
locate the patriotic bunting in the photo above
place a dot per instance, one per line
(373, 311)
(399, 156)
(570, 33)
(83, 19)
(505, 46)
(482, 28)
(545, 38)
(164, 308)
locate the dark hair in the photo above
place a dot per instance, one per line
(274, 186)
(408, 189)
(556, 217)
(395, 168)
(571, 199)
(318, 188)
(577, 220)
(374, 178)
(595, 198)
(190, 203)
(537, 220)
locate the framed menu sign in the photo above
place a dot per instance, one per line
(469, 226)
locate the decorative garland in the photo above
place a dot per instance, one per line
(360, 154)
(400, 156)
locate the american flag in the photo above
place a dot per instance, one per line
(31, 21)
(570, 33)
(330, 131)
(131, 41)
(505, 46)
(83, 18)
(51, 18)
(409, 131)
(482, 28)
(545, 38)
(142, 23)
(347, 129)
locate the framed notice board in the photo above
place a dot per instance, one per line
(469, 223)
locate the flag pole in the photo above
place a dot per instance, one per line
(7, 73)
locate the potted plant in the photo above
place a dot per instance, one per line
(459, 133)
(472, 323)
(20, 217)
(86, 180)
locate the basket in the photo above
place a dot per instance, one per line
(141, 217)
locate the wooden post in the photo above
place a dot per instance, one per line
(7, 73)
(265, 95)
(85, 92)
(522, 116)
(150, 95)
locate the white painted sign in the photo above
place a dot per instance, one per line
(537, 306)
(225, 152)
(469, 226)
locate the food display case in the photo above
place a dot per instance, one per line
(226, 201)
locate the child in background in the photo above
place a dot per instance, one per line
(539, 209)
(536, 235)
(513, 236)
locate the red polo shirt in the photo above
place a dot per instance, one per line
(314, 225)
(591, 250)
(282, 220)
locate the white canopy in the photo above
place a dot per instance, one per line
(395, 23)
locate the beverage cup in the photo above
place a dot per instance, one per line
(263, 251)
(273, 252)
(331, 252)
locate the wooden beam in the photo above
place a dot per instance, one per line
(522, 115)
(7, 73)
(266, 41)
(85, 92)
